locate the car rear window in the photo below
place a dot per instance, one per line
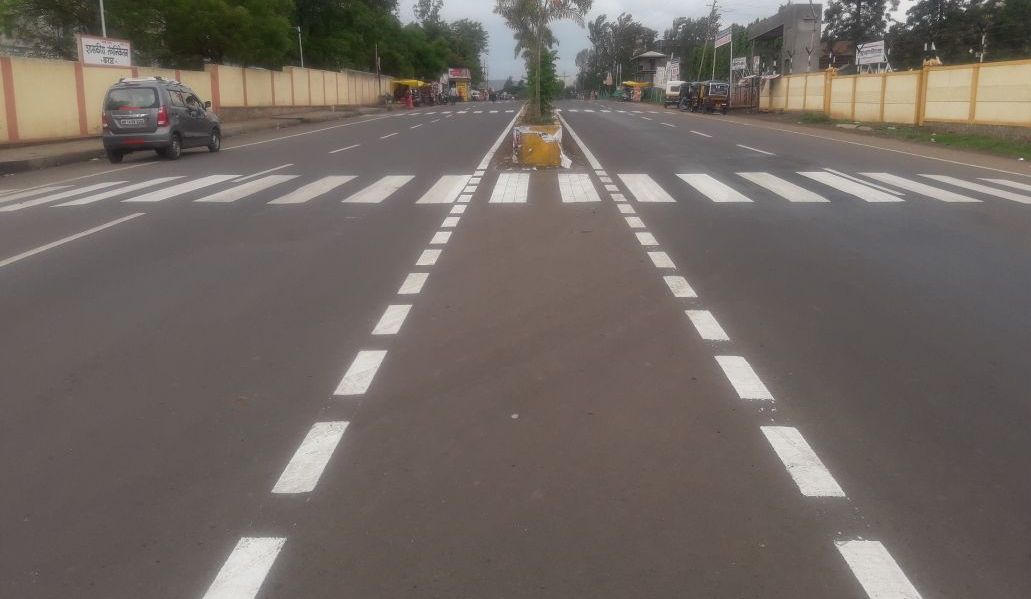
(130, 98)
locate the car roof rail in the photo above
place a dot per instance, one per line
(154, 79)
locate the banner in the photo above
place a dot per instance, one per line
(871, 53)
(104, 51)
(723, 37)
(454, 73)
(738, 63)
(674, 71)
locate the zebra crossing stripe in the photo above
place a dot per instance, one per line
(930, 191)
(245, 189)
(28, 193)
(312, 190)
(714, 190)
(445, 190)
(999, 193)
(785, 189)
(380, 190)
(175, 190)
(645, 189)
(120, 191)
(510, 188)
(58, 196)
(863, 192)
(1013, 184)
(577, 187)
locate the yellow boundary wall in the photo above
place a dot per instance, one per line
(43, 99)
(991, 93)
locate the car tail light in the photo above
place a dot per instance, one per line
(104, 123)
(162, 116)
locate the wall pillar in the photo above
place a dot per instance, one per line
(10, 106)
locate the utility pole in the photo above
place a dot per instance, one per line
(103, 22)
(300, 46)
(714, 16)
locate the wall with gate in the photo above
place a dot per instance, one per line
(991, 93)
(56, 99)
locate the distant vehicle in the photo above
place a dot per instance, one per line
(708, 96)
(475, 95)
(154, 113)
(673, 93)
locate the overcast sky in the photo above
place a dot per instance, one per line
(657, 14)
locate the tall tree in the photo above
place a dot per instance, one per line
(531, 22)
(857, 21)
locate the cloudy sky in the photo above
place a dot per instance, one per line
(657, 14)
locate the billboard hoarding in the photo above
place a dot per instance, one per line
(723, 37)
(871, 53)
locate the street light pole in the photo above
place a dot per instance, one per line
(103, 23)
(300, 46)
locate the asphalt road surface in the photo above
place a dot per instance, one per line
(368, 360)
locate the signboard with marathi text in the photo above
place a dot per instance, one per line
(454, 73)
(871, 53)
(674, 71)
(723, 37)
(738, 63)
(104, 51)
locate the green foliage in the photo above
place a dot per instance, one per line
(187, 33)
(530, 21)
(613, 46)
(857, 20)
(551, 87)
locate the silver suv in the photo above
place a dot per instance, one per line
(154, 113)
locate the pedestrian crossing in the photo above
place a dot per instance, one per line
(746, 188)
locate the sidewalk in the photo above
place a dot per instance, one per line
(27, 157)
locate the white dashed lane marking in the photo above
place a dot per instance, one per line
(646, 239)
(707, 325)
(876, 570)
(428, 258)
(305, 468)
(64, 240)
(245, 570)
(359, 375)
(393, 317)
(679, 286)
(440, 238)
(744, 380)
(413, 283)
(661, 260)
(802, 463)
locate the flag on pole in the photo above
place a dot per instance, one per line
(723, 37)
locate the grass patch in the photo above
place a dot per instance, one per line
(814, 118)
(965, 141)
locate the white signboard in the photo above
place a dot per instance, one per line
(660, 77)
(739, 63)
(871, 53)
(104, 51)
(674, 71)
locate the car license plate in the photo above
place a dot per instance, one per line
(130, 122)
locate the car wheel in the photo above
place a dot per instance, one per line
(114, 156)
(174, 149)
(215, 143)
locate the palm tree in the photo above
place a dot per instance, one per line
(530, 20)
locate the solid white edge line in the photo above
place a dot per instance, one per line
(359, 375)
(802, 463)
(304, 469)
(497, 144)
(876, 570)
(743, 378)
(583, 147)
(393, 317)
(64, 240)
(245, 569)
